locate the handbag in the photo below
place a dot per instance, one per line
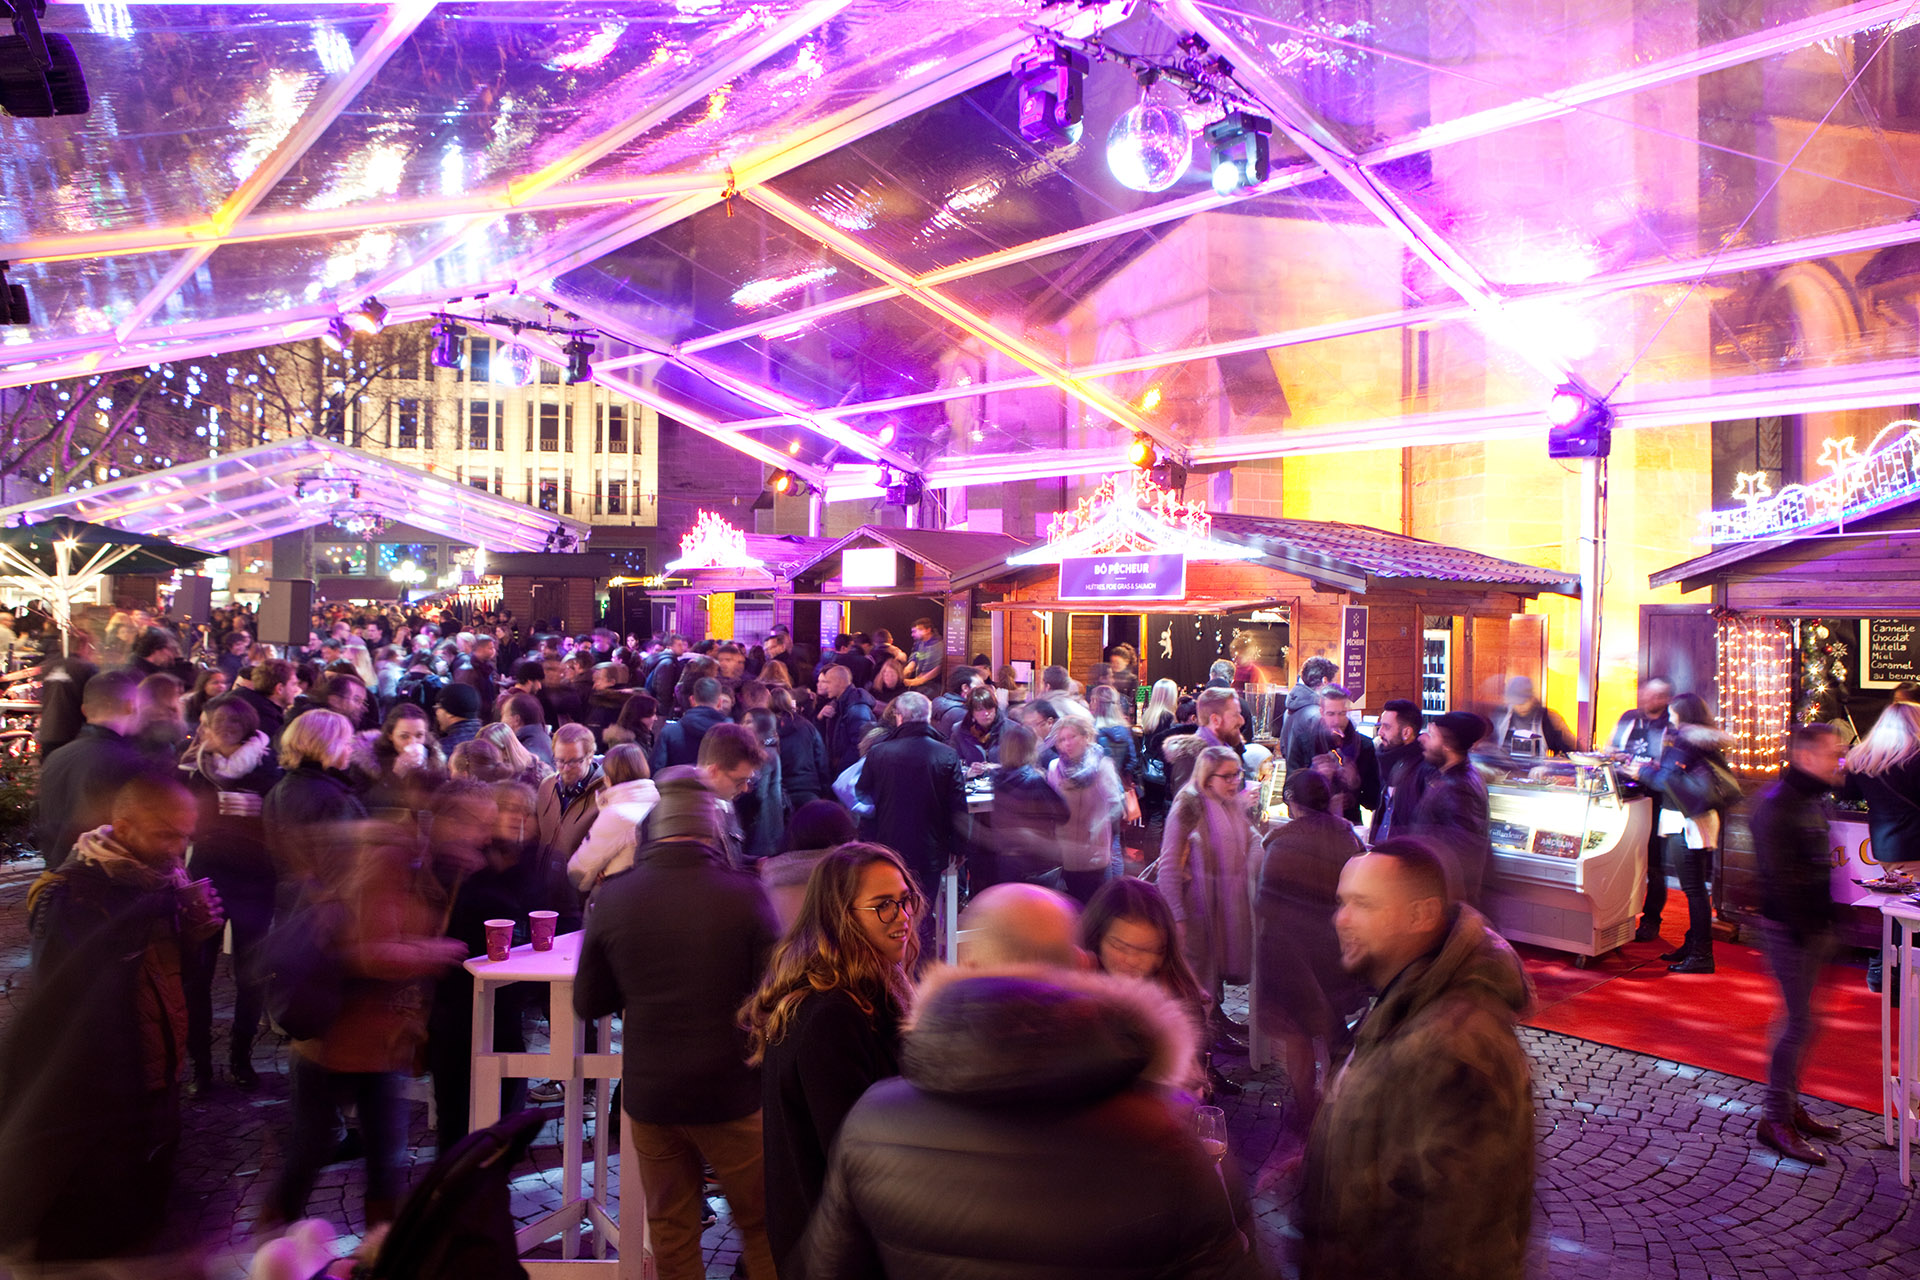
(1704, 785)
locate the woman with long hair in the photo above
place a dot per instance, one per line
(825, 1023)
(1693, 745)
(1128, 929)
(1204, 860)
(1086, 779)
(1883, 769)
(1158, 722)
(624, 805)
(890, 681)
(207, 686)
(408, 760)
(521, 763)
(1115, 736)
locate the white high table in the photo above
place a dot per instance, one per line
(1900, 1065)
(568, 1062)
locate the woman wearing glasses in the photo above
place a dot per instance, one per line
(1204, 874)
(1129, 931)
(825, 1023)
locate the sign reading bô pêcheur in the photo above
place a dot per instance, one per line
(1123, 578)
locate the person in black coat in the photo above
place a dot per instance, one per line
(229, 767)
(1448, 807)
(843, 717)
(1691, 744)
(1027, 811)
(313, 796)
(825, 1023)
(1790, 843)
(919, 794)
(1355, 775)
(950, 708)
(679, 741)
(804, 771)
(679, 943)
(1032, 1131)
(78, 781)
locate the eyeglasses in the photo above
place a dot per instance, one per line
(887, 910)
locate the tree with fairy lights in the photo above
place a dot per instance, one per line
(79, 432)
(1823, 676)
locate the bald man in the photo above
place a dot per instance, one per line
(1421, 1159)
(90, 1120)
(1019, 924)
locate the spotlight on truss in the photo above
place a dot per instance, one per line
(1051, 79)
(579, 360)
(1239, 147)
(335, 337)
(1141, 453)
(1580, 424)
(449, 339)
(785, 484)
(39, 72)
(369, 317)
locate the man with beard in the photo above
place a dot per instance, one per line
(1447, 804)
(1354, 772)
(1218, 713)
(1420, 1162)
(1396, 747)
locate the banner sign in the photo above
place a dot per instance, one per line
(1123, 579)
(1353, 651)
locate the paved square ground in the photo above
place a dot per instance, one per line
(1646, 1168)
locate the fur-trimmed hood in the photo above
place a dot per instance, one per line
(1703, 738)
(1182, 749)
(1043, 1037)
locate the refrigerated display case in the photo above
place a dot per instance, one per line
(1569, 853)
(1436, 670)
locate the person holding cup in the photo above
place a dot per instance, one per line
(229, 767)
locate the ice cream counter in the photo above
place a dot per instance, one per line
(1569, 853)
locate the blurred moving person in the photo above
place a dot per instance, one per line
(1420, 1163)
(1205, 861)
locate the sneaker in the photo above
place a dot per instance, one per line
(546, 1091)
(1814, 1128)
(1790, 1144)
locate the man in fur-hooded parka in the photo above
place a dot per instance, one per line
(1420, 1164)
(1032, 1133)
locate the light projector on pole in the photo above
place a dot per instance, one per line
(1581, 424)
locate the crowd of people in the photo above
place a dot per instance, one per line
(752, 838)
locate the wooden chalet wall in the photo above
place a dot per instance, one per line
(1866, 575)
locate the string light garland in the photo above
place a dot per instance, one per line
(1755, 668)
(1856, 485)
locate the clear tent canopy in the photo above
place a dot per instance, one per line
(813, 228)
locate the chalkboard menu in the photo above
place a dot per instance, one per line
(1890, 651)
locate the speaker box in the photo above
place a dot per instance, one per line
(193, 602)
(286, 612)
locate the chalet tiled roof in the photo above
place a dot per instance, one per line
(1353, 551)
(957, 553)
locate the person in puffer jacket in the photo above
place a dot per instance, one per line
(1033, 1131)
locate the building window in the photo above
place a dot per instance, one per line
(616, 439)
(406, 357)
(479, 360)
(616, 497)
(566, 495)
(500, 425)
(549, 493)
(406, 421)
(477, 424)
(549, 427)
(478, 480)
(598, 485)
(549, 373)
(499, 481)
(426, 424)
(389, 556)
(341, 559)
(567, 416)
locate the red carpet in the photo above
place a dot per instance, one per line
(1720, 1021)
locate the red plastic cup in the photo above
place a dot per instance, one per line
(543, 924)
(499, 939)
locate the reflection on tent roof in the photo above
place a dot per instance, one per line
(261, 493)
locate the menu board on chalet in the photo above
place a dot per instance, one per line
(1890, 651)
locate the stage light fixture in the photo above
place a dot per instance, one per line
(13, 301)
(449, 341)
(901, 490)
(579, 360)
(885, 435)
(786, 484)
(1051, 79)
(1141, 452)
(1580, 424)
(1240, 149)
(39, 72)
(369, 317)
(335, 337)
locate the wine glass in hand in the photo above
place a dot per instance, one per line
(1210, 1126)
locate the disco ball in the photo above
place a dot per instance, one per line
(1149, 147)
(516, 368)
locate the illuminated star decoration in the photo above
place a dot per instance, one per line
(1751, 486)
(1837, 453)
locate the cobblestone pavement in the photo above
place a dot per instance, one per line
(1646, 1168)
